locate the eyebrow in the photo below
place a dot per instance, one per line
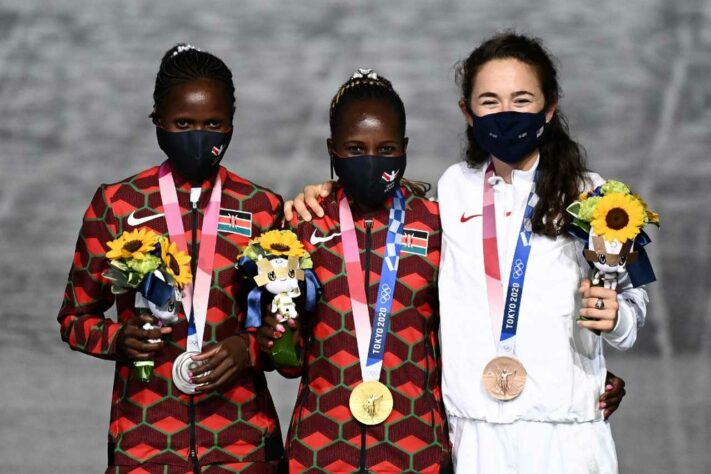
(495, 96)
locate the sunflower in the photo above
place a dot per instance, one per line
(618, 217)
(280, 243)
(134, 244)
(177, 263)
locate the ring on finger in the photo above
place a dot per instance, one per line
(600, 304)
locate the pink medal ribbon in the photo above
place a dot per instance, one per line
(494, 287)
(356, 284)
(197, 292)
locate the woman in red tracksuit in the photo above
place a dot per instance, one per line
(230, 424)
(380, 222)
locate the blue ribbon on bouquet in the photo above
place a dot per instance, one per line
(153, 288)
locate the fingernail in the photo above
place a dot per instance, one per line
(270, 344)
(190, 374)
(609, 387)
(603, 405)
(280, 327)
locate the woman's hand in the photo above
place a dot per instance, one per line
(614, 393)
(308, 200)
(224, 361)
(599, 306)
(272, 329)
(133, 341)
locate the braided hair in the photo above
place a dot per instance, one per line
(183, 63)
(366, 84)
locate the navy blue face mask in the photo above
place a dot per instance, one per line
(367, 179)
(196, 154)
(509, 136)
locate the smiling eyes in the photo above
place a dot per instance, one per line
(519, 102)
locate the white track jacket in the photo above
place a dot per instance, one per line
(565, 363)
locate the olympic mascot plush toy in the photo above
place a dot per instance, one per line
(277, 264)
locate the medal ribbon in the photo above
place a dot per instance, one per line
(510, 310)
(371, 344)
(196, 292)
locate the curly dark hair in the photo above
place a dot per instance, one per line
(562, 160)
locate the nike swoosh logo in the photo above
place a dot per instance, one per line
(465, 219)
(315, 240)
(134, 221)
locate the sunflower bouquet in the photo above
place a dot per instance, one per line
(154, 268)
(277, 263)
(612, 220)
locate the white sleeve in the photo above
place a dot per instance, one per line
(630, 315)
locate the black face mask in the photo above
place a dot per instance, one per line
(509, 136)
(367, 179)
(195, 154)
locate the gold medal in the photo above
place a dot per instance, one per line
(504, 378)
(371, 402)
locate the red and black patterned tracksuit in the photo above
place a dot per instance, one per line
(233, 430)
(323, 436)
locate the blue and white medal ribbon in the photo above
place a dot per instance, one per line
(504, 377)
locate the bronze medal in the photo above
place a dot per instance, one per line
(504, 378)
(371, 402)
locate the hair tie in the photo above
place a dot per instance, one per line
(365, 72)
(182, 48)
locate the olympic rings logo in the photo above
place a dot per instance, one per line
(385, 293)
(518, 268)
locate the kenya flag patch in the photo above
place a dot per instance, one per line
(235, 222)
(415, 241)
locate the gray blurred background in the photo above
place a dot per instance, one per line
(76, 79)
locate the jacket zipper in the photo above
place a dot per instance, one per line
(368, 245)
(191, 408)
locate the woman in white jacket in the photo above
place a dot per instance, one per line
(513, 282)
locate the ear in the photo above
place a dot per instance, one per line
(405, 142)
(329, 146)
(154, 117)
(551, 110)
(465, 111)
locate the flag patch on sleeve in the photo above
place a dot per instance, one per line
(235, 222)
